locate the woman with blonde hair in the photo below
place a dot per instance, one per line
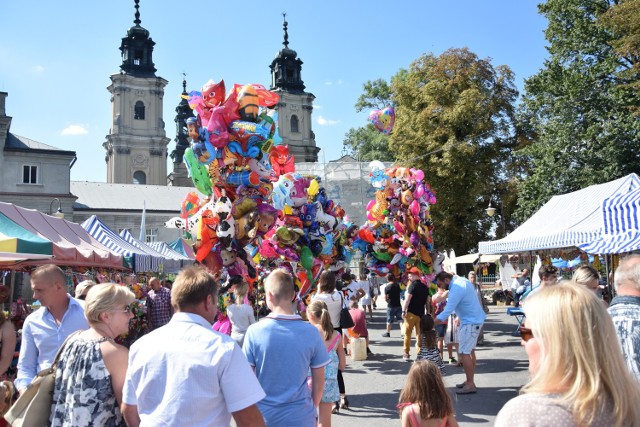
(578, 374)
(91, 370)
(590, 278)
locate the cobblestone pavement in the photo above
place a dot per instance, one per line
(373, 385)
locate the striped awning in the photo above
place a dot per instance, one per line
(168, 252)
(138, 259)
(622, 213)
(169, 264)
(569, 220)
(614, 244)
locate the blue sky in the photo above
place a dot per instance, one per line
(57, 56)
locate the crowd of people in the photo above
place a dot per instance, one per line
(287, 369)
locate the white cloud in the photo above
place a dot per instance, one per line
(75, 130)
(326, 122)
(38, 69)
(330, 83)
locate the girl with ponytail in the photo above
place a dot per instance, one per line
(319, 317)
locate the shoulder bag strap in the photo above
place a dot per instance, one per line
(445, 422)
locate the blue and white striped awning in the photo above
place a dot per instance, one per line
(614, 244)
(569, 220)
(168, 252)
(168, 264)
(141, 261)
(622, 213)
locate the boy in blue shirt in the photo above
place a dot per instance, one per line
(282, 347)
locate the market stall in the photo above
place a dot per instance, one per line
(169, 252)
(137, 259)
(18, 244)
(573, 220)
(70, 244)
(170, 264)
(183, 247)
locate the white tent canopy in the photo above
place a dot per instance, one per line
(569, 220)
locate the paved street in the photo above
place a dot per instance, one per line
(373, 386)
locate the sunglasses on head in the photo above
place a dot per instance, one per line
(525, 333)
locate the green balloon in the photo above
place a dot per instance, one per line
(306, 258)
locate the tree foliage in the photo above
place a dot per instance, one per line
(455, 120)
(367, 143)
(576, 108)
(623, 20)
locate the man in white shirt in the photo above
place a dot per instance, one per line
(185, 373)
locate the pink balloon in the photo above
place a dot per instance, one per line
(414, 207)
(383, 120)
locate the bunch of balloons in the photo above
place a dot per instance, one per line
(399, 230)
(254, 212)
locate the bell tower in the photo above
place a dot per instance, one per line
(136, 146)
(179, 177)
(296, 105)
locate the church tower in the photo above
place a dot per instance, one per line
(296, 105)
(136, 147)
(179, 177)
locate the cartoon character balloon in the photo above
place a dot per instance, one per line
(383, 120)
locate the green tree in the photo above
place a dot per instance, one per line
(576, 108)
(623, 20)
(366, 142)
(455, 119)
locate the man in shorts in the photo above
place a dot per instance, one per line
(394, 307)
(463, 299)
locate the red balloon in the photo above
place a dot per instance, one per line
(366, 235)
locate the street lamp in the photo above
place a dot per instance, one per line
(58, 213)
(491, 211)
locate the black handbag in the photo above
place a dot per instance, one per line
(346, 321)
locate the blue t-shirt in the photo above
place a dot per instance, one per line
(463, 299)
(283, 348)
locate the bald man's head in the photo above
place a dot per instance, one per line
(627, 276)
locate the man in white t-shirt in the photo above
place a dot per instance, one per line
(365, 300)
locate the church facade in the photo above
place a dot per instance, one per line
(136, 146)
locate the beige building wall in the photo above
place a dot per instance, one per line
(292, 108)
(136, 145)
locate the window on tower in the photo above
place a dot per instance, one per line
(138, 111)
(294, 124)
(137, 59)
(139, 178)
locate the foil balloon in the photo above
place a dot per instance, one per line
(190, 205)
(383, 120)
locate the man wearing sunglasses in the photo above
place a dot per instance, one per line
(463, 299)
